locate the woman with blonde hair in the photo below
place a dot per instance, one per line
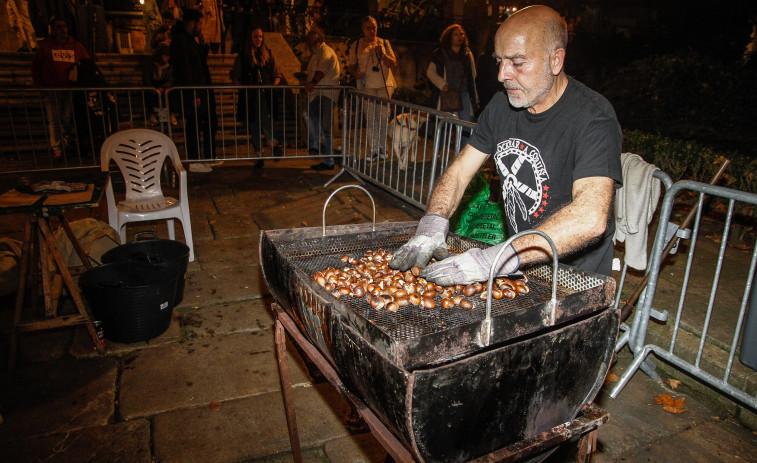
(257, 66)
(371, 60)
(452, 70)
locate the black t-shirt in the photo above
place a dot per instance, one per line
(539, 156)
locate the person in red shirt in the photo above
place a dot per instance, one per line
(55, 66)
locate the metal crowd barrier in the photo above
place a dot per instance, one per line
(248, 122)
(75, 122)
(400, 147)
(693, 347)
(65, 127)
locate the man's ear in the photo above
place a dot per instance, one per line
(557, 60)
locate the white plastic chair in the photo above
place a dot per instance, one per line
(140, 154)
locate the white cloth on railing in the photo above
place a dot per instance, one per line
(635, 204)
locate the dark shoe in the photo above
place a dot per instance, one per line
(278, 152)
(258, 164)
(321, 166)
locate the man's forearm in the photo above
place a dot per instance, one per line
(450, 188)
(575, 226)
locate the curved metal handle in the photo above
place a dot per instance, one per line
(486, 327)
(373, 203)
(145, 233)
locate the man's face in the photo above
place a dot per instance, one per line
(193, 27)
(59, 31)
(524, 68)
(312, 40)
(168, 22)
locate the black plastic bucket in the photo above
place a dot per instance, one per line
(133, 300)
(155, 251)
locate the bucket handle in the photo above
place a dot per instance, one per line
(145, 232)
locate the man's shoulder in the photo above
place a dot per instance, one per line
(589, 96)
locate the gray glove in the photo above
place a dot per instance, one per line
(430, 240)
(472, 266)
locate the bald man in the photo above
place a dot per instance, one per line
(556, 145)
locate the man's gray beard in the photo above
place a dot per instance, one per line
(549, 81)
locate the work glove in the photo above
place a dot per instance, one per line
(472, 266)
(430, 240)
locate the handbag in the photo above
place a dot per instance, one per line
(451, 100)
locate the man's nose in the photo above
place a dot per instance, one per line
(505, 71)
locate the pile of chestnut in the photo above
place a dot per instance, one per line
(386, 288)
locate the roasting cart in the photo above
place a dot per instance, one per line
(448, 384)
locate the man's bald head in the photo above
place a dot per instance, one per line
(540, 23)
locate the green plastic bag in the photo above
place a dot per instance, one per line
(477, 217)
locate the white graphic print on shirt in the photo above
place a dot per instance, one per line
(523, 176)
(65, 56)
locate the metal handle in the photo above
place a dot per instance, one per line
(340, 189)
(486, 327)
(146, 232)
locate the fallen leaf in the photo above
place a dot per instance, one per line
(675, 410)
(674, 383)
(212, 222)
(612, 377)
(215, 405)
(716, 418)
(671, 404)
(305, 224)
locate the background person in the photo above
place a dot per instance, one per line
(162, 36)
(371, 60)
(487, 83)
(556, 145)
(452, 68)
(323, 71)
(189, 59)
(55, 66)
(158, 73)
(256, 65)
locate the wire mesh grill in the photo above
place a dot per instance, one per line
(411, 322)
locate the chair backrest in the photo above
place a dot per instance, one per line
(139, 154)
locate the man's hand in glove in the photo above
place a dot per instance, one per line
(472, 266)
(430, 240)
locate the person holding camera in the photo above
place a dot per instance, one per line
(371, 60)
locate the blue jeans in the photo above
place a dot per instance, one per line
(320, 113)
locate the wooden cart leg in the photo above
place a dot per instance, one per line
(286, 390)
(22, 275)
(587, 444)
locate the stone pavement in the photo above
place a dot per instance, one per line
(207, 390)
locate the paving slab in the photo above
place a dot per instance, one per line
(127, 442)
(223, 285)
(360, 448)
(636, 421)
(57, 397)
(239, 252)
(226, 318)
(232, 224)
(705, 443)
(249, 428)
(195, 372)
